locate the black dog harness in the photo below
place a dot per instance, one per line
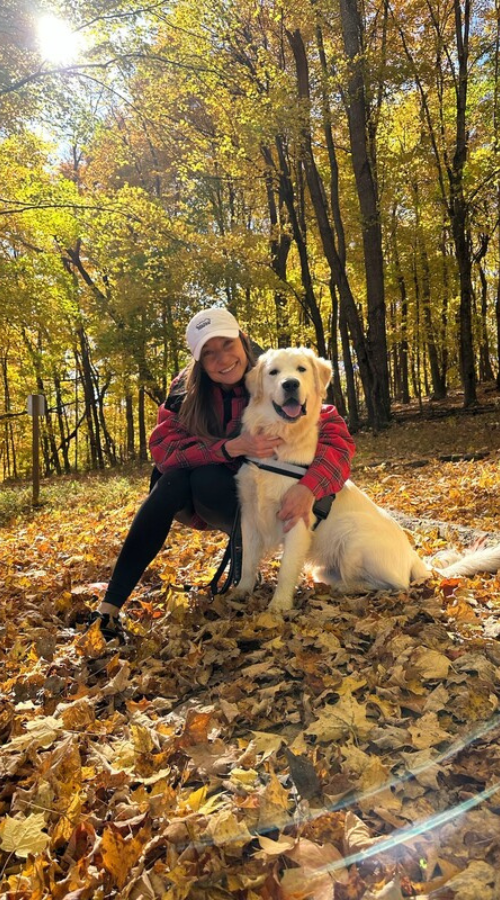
(233, 553)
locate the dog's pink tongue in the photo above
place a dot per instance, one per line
(292, 409)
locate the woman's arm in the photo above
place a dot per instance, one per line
(331, 465)
(172, 446)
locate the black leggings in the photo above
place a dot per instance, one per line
(209, 491)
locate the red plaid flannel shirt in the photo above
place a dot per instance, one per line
(173, 447)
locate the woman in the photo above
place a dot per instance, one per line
(197, 448)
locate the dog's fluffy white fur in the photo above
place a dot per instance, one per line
(359, 547)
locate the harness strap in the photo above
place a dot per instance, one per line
(321, 508)
(275, 465)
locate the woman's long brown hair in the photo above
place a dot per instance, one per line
(197, 413)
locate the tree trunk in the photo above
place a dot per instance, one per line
(496, 130)
(403, 350)
(74, 263)
(109, 444)
(337, 393)
(91, 412)
(143, 441)
(352, 399)
(438, 386)
(64, 445)
(364, 167)
(485, 368)
(458, 206)
(279, 248)
(374, 392)
(130, 438)
(445, 302)
(309, 302)
(332, 156)
(10, 464)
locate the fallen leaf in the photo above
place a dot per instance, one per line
(357, 835)
(476, 882)
(426, 732)
(119, 854)
(24, 835)
(227, 831)
(345, 718)
(430, 664)
(276, 848)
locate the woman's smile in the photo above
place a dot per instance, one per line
(224, 360)
(230, 368)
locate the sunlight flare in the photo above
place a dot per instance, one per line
(57, 41)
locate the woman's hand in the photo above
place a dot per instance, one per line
(257, 445)
(297, 504)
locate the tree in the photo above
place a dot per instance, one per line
(365, 172)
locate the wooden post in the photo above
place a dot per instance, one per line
(36, 408)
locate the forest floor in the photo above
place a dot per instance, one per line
(348, 751)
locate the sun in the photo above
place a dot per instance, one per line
(57, 41)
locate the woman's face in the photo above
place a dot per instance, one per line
(224, 360)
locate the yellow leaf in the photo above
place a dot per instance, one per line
(246, 777)
(266, 620)
(41, 732)
(266, 742)
(226, 830)
(119, 855)
(350, 684)
(196, 726)
(65, 825)
(141, 736)
(78, 716)
(347, 717)
(119, 681)
(91, 643)
(24, 836)
(273, 805)
(214, 802)
(196, 800)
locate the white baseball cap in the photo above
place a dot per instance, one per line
(209, 323)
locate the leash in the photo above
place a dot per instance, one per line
(233, 554)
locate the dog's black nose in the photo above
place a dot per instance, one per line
(290, 385)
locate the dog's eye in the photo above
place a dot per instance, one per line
(301, 369)
(273, 371)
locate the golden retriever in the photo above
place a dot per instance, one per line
(358, 547)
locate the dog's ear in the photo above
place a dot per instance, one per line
(254, 381)
(322, 373)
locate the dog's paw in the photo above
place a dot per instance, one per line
(280, 605)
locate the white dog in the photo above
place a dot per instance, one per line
(358, 547)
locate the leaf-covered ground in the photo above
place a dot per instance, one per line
(350, 751)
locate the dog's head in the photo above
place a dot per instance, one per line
(292, 381)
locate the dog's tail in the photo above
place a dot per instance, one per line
(486, 559)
